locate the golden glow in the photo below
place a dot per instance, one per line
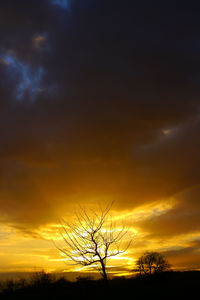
(21, 252)
(146, 211)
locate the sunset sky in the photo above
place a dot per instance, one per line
(99, 102)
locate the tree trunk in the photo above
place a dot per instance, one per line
(104, 272)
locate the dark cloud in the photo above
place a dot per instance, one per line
(114, 112)
(171, 163)
(183, 218)
(188, 256)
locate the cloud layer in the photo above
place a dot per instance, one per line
(99, 101)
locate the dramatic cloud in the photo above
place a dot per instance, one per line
(100, 102)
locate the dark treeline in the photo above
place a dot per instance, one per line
(158, 286)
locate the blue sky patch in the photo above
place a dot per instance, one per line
(61, 3)
(27, 81)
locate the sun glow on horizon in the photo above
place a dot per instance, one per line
(41, 252)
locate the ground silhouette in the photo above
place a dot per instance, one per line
(158, 286)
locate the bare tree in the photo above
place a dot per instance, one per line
(152, 262)
(92, 239)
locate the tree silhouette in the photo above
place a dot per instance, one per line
(92, 239)
(152, 262)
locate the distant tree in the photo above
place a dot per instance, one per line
(92, 240)
(42, 279)
(151, 263)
